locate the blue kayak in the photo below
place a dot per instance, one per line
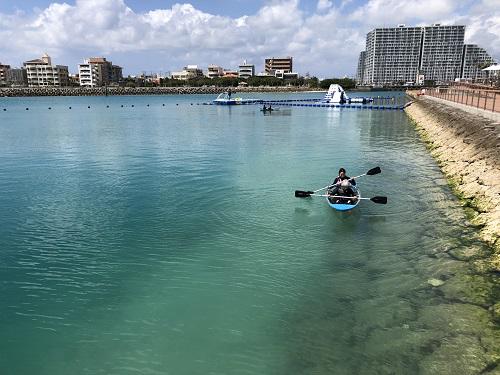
(341, 203)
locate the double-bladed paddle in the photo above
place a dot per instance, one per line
(303, 194)
(371, 172)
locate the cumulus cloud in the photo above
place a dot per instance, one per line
(381, 13)
(323, 5)
(325, 42)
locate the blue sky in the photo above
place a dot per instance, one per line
(231, 8)
(324, 36)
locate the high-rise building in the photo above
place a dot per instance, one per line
(97, 71)
(441, 52)
(41, 73)
(3, 73)
(361, 68)
(392, 55)
(278, 63)
(403, 55)
(246, 70)
(474, 60)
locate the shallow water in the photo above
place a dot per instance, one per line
(166, 239)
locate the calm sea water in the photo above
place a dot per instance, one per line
(166, 239)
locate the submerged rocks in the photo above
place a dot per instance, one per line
(495, 310)
(473, 289)
(456, 317)
(460, 355)
(466, 253)
(467, 148)
(435, 282)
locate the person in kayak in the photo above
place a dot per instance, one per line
(342, 185)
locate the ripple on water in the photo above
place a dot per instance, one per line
(171, 241)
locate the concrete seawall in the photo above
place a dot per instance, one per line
(101, 91)
(467, 148)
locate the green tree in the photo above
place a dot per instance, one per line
(346, 83)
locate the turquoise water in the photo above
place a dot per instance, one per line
(166, 239)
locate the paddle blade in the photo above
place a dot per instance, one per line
(381, 200)
(373, 171)
(303, 194)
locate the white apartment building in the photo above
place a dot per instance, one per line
(41, 73)
(474, 60)
(403, 55)
(280, 73)
(361, 68)
(189, 72)
(97, 71)
(90, 75)
(442, 49)
(392, 56)
(246, 70)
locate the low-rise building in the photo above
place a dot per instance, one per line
(230, 74)
(74, 80)
(214, 71)
(89, 75)
(278, 63)
(279, 73)
(41, 73)
(189, 72)
(97, 71)
(116, 74)
(3, 73)
(246, 70)
(16, 77)
(264, 75)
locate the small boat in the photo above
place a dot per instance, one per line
(360, 100)
(342, 203)
(226, 99)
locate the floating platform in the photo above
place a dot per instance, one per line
(335, 98)
(333, 105)
(285, 103)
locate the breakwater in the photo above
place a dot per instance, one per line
(111, 91)
(467, 148)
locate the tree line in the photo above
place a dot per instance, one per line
(311, 82)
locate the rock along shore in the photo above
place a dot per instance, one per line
(467, 148)
(102, 91)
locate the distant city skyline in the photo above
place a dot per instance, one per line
(324, 37)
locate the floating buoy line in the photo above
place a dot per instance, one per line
(379, 103)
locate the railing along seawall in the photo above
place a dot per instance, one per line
(488, 100)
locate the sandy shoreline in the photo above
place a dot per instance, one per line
(467, 148)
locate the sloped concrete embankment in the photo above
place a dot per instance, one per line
(467, 148)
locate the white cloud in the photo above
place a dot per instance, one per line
(325, 43)
(391, 12)
(323, 5)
